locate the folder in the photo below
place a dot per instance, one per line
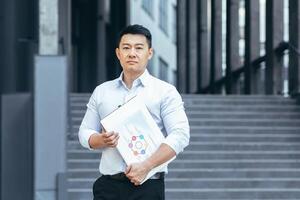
(139, 134)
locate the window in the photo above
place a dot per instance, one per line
(150, 66)
(174, 81)
(174, 25)
(163, 15)
(147, 5)
(163, 70)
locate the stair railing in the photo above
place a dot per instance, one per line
(256, 65)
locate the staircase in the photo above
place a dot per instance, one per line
(241, 147)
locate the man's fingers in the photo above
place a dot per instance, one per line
(108, 134)
(110, 137)
(128, 168)
(115, 141)
(112, 141)
(137, 183)
(114, 136)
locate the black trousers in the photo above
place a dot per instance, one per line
(107, 188)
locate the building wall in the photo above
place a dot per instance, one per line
(164, 44)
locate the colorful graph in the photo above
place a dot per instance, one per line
(138, 145)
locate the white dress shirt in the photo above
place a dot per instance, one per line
(163, 101)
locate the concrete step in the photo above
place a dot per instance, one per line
(237, 128)
(245, 146)
(282, 194)
(80, 194)
(270, 108)
(245, 138)
(241, 147)
(197, 97)
(237, 102)
(77, 183)
(83, 154)
(205, 154)
(243, 130)
(205, 173)
(233, 115)
(234, 96)
(218, 101)
(234, 154)
(212, 194)
(248, 193)
(246, 122)
(268, 121)
(202, 164)
(74, 143)
(74, 96)
(234, 173)
(201, 107)
(234, 164)
(219, 115)
(231, 183)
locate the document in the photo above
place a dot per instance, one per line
(139, 135)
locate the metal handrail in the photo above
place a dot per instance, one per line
(282, 46)
(289, 46)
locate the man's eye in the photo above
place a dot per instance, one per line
(126, 48)
(139, 48)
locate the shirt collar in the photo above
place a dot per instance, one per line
(144, 78)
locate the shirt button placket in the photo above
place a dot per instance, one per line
(130, 94)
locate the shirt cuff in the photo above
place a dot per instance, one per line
(84, 136)
(176, 143)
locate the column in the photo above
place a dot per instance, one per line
(232, 45)
(216, 44)
(48, 27)
(204, 44)
(192, 48)
(101, 41)
(274, 35)
(50, 106)
(181, 46)
(50, 124)
(294, 39)
(252, 44)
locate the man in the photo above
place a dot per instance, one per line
(119, 181)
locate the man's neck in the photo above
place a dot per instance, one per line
(129, 78)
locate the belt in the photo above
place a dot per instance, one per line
(122, 177)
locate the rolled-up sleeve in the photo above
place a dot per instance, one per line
(175, 121)
(90, 123)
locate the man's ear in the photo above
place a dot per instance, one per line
(151, 51)
(117, 50)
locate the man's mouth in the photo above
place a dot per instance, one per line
(132, 62)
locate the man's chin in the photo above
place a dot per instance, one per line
(134, 70)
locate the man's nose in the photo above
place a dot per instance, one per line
(132, 52)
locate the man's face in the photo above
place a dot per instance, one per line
(133, 53)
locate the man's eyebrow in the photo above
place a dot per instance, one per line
(125, 44)
(133, 44)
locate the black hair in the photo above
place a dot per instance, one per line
(136, 29)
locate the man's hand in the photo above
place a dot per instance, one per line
(137, 172)
(104, 139)
(110, 139)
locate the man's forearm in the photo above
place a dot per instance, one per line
(162, 155)
(96, 141)
(104, 139)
